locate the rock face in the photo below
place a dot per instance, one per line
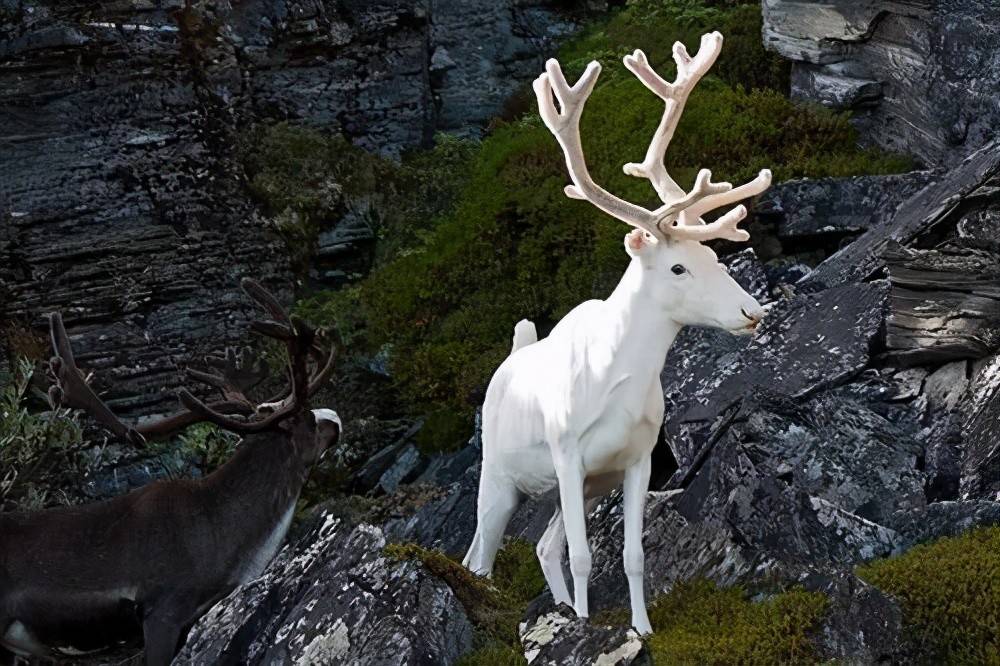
(922, 77)
(555, 636)
(334, 598)
(121, 201)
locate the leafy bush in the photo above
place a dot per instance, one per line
(950, 594)
(700, 623)
(37, 451)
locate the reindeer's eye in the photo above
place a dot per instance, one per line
(677, 269)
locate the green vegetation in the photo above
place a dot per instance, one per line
(695, 623)
(207, 445)
(473, 238)
(37, 451)
(495, 606)
(306, 180)
(700, 623)
(950, 594)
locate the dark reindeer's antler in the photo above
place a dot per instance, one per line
(238, 373)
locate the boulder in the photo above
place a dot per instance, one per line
(553, 635)
(807, 209)
(333, 597)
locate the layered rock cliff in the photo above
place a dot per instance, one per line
(121, 199)
(921, 76)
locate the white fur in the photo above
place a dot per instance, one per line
(581, 409)
(259, 559)
(328, 415)
(19, 640)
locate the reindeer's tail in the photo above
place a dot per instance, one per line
(524, 335)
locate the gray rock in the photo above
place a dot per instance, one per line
(944, 519)
(861, 624)
(809, 207)
(407, 466)
(945, 306)
(886, 59)
(972, 181)
(806, 343)
(554, 636)
(332, 598)
(981, 434)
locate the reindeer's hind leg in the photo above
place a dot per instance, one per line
(550, 551)
(162, 627)
(497, 501)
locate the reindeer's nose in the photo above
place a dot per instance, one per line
(754, 314)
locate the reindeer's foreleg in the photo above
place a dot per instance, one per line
(550, 551)
(569, 470)
(634, 495)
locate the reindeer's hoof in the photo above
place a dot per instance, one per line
(642, 627)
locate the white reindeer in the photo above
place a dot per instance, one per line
(582, 407)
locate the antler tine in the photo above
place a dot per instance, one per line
(70, 388)
(689, 72)
(692, 214)
(724, 227)
(265, 299)
(565, 125)
(207, 413)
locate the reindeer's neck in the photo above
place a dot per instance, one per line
(643, 330)
(256, 488)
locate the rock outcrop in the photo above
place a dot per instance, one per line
(921, 77)
(333, 597)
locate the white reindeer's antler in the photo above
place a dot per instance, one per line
(705, 196)
(680, 215)
(565, 125)
(675, 95)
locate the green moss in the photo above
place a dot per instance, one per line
(700, 623)
(950, 594)
(494, 654)
(494, 606)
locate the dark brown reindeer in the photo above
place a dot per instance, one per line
(83, 578)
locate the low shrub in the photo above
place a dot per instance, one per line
(950, 594)
(38, 452)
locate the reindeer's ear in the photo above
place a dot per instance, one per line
(637, 241)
